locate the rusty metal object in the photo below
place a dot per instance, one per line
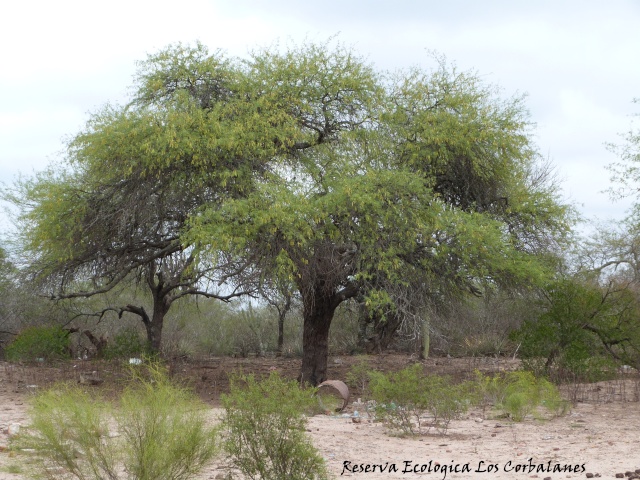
(335, 386)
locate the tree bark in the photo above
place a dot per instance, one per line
(280, 346)
(426, 338)
(154, 328)
(282, 313)
(318, 314)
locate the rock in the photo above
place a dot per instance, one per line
(13, 429)
(90, 379)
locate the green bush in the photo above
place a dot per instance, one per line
(489, 391)
(358, 375)
(265, 429)
(127, 343)
(160, 432)
(524, 393)
(405, 397)
(46, 342)
(585, 331)
(519, 394)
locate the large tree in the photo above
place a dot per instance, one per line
(405, 187)
(113, 208)
(304, 166)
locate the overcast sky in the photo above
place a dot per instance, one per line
(578, 62)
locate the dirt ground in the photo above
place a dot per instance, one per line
(599, 436)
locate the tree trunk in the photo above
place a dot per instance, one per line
(280, 334)
(383, 333)
(318, 314)
(282, 313)
(426, 337)
(154, 327)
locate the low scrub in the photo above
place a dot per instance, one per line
(407, 401)
(264, 424)
(410, 402)
(127, 343)
(519, 394)
(157, 432)
(39, 343)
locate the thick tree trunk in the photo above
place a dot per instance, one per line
(154, 327)
(318, 314)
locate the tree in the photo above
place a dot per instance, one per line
(7, 272)
(625, 173)
(423, 184)
(113, 210)
(585, 322)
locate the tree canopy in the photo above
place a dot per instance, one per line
(413, 185)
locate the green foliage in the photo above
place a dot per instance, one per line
(160, 432)
(584, 329)
(66, 420)
(518, 394)
(308, 166)
(524, 393)
(127, 343)
(264, 423)
(489, 390)
(46, 342)
(358, 375)
(405, 397)
(164, 426)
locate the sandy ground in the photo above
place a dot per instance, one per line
(599, 438)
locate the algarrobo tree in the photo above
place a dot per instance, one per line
(426, 183)
(115, 208)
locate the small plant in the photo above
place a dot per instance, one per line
(489, 391)
(518, 394)
(44, 342)
(264, 423)
(404, 398)
(358, 375)
(161, 432)
(127, 343)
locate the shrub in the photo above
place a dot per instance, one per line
(519, 394)
(161, 433)
(404, 398)
(585, 331)
(489, 391)
(264, 423)
(127, 343)
(46, 342)
(358, 375)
